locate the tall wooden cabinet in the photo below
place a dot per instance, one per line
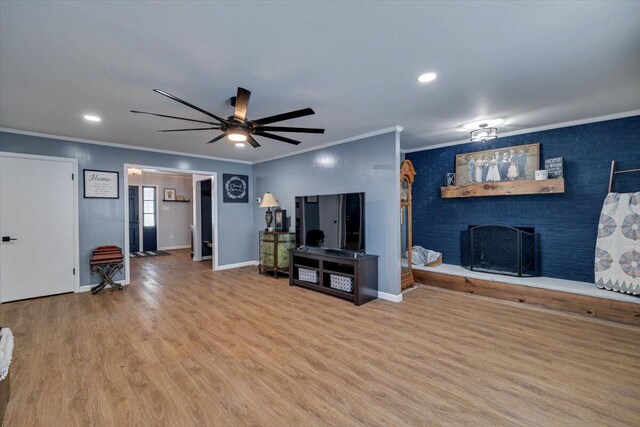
(274, 251)
(407, 174)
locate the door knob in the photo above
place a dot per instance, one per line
(7, 238)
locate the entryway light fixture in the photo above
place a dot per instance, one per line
(134, 171)
(483, 134)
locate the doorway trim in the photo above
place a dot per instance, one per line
(214, 210)
(76, 211)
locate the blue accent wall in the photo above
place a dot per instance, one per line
(567, 222)
(370, 165)
(102, 220)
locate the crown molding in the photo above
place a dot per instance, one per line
(338, 142)
(116, 145)
(534, 129)
(179, 153)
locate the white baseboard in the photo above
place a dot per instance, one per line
(237, 265)
(86, 288)
(204, 258)
(170, 248)
(389, 297)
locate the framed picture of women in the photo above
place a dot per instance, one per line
(515, 163)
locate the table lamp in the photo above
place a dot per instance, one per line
(269, 201)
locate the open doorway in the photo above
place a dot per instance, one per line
(169, 213)
(203, 228)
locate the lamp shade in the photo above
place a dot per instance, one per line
(269, 201)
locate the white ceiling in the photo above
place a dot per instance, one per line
(355, 63)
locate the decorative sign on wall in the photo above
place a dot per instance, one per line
(555, 167)
(101, 184)
(236, 188)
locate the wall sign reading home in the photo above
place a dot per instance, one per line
(236, 188)
(100, 184)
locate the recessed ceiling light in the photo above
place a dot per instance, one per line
(92, 118)
(489, 122)
(240, 144)
(427, 77)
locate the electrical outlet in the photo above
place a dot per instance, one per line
(258, 199)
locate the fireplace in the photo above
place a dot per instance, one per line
(512, 251)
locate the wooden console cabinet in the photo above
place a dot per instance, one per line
(363, 269)
(274, 251)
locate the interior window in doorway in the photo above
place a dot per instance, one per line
(149, 206)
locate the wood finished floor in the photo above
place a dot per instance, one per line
(186, 346)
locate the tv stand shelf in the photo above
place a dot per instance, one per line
(362, 268)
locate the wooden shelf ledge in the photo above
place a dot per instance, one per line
(504, 188)
(608, 309)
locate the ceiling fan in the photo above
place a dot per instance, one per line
(237, 127)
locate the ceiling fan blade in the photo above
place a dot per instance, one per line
(242, 103)
(289, 129)
(184, 130)
(217, 138)
(173, 117)
(175, 98)
(278, 137)
(251, 140)
(284, 116)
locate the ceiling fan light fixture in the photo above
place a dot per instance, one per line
(237, 128)
(237, 136)
(240, 144)
(483, 134)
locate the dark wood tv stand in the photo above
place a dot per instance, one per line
(363, 268)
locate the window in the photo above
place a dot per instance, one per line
(149, 206)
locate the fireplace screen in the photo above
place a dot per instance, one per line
(500, 249)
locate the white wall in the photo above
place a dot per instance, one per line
(173, 218)
(370, 165)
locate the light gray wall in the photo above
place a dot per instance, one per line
(370, 165)
(102, 220)
(173, 218)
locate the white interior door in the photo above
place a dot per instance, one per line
(37, 201)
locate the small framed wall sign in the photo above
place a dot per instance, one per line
(236, 188)
(555, 167)
(100, 184)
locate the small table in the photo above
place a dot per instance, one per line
(106, 261)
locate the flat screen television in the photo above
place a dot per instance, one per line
(333, 221)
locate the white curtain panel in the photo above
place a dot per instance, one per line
(6, 351)
(617, 261)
